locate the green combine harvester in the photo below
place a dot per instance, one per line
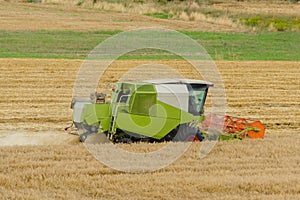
(151, 111)
(156, 111)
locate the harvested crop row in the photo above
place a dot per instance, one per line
(265, 169)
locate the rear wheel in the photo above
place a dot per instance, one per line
(187, 133)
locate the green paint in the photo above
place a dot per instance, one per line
(93, 114)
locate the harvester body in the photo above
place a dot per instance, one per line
(155, 111)
(149, 110)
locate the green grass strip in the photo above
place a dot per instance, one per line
(250, 46)
(221, 46)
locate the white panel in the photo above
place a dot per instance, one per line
(77, 110)
(175, 95)
(178, 81)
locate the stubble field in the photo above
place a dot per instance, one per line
(35, 100)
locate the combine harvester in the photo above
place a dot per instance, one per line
(157, 111)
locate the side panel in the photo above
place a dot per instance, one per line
(174, 113)
(154, 127)
(92, 114)
(163, 118)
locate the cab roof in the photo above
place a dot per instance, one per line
(179, 81)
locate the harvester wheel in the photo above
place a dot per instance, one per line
(187, 133)
(195, 138)
(199, 136)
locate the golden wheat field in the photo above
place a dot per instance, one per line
(39, 160)
(34, 105)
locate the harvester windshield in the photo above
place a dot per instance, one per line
(197, 96)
